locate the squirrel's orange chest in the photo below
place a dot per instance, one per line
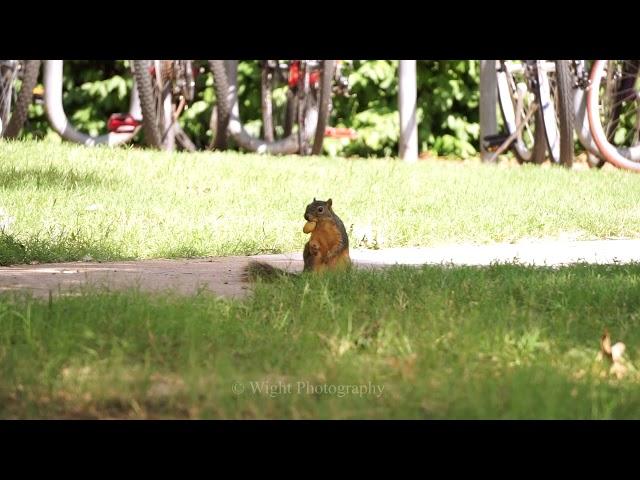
(326, 235)
(323, 238)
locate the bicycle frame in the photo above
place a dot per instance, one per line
(53, 79)
(513, 114)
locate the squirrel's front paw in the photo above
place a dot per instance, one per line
(314, 248)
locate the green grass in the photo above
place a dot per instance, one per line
(71, 202)
(505, 341)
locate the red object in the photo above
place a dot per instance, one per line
(340, 132)
(294, 73)
(314, 77)
(122, 123)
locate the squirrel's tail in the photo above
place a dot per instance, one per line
(265, 271)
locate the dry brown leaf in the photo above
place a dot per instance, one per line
(605, 343)
(405, 365)
(618, 369)
(615, 354)
(617, 351)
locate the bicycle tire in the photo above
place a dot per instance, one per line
(290, 113)
(546, 100)
(579, 73)
(324, 104)
(266, 98)
(620, 157)
(537, 153)
(284, 146)
(223, 107)
(564, 111)
(25, 96)
(152, 134)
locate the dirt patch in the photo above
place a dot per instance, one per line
(223, 276)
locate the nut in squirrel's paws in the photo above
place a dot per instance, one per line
(309, 227)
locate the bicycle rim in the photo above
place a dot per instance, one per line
(530, 146)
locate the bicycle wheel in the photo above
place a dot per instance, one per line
(155, 103)
(222, 109)
(290, 113)
(266, 97)
(514, 85)
(580, 82)
(304, 115)
(14, 107)
(613, 108)
(8, 79)
(556, 99)
(324, 104)
(307, 112)
(564, 111)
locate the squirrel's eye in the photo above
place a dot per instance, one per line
(320, 209)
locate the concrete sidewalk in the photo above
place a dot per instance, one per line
(535, 252)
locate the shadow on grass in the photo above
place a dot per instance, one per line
(45, 250)
(12, 178)
(11, 250)
(227, 249)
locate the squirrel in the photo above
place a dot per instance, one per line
(327, 249)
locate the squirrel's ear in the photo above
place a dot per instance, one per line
(329, 203)
(314, 199)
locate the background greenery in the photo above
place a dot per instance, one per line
(447, 105)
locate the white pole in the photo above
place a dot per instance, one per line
(407, 94)
(488, 100)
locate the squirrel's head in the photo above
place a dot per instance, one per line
(317, 210)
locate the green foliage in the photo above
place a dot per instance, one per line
(448, 98)
(447, 105)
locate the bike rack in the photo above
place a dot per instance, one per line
(407, 98)
(53, 76)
